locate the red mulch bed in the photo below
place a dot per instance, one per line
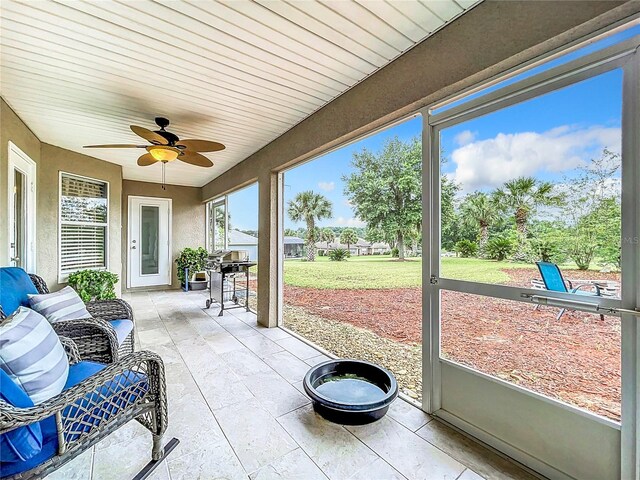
(576, 359)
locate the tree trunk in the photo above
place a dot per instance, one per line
(484, 238)
(311, 248)
(400, 246)
(521, 227)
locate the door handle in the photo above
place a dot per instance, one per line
(15, 259)
(133, 248)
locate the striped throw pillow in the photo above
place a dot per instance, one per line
(63, 305)
(32, 356)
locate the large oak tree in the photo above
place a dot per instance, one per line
(385, 189)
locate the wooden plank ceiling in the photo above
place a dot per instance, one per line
(237, 72)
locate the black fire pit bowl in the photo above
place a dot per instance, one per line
(350, 392)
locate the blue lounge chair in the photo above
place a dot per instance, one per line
(555, 282)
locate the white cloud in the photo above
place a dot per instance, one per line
(465, 137)
(489, 163)
(350, 222)
(327, 186)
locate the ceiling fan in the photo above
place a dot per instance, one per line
(166, 147)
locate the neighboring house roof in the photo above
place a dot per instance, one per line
(293, 241)
(381, 245)
(362, 243)
(332, 245)
(236, 237)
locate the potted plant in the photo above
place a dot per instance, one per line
(94, 284)
(193, 259)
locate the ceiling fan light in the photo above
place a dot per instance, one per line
(163, 153)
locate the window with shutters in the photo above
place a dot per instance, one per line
(84, 210)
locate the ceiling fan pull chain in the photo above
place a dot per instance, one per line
(163, 176)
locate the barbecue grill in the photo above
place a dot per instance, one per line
(229, 279)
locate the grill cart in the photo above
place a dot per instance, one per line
(229, 279)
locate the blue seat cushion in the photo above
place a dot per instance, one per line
(25, 442)
(81, 371)
(93, 410)
(123, 328)
(105, 401)
(49, 449)
(15, 285)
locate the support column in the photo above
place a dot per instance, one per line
(268, 281)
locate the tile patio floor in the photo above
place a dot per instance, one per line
(236, 404)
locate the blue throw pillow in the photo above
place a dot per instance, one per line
(15, 285)
(25, 442)
(32, 356)
(65, 304)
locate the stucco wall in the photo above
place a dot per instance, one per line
(188, 225)
(50, 161)
(188, 210)
(54, 160)
(12, 129)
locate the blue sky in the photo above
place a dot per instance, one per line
(547, 137)
(324, 174)
(243, 208)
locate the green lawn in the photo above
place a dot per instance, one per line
(377, 271)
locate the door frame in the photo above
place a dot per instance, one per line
(626, 57)
(169, 203)
(31, 194)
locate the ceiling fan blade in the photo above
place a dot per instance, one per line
(146, 160)
(194, 158)
(115, 145)
(201, 145)
(148, 135)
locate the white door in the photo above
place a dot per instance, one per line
(149, 241)
(22, 209)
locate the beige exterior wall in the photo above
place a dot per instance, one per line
(188, 209)
(12, 129)
(50, 161)
(188, 222)
(53, 161)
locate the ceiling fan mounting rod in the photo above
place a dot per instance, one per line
(162, 122)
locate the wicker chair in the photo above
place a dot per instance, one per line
(131, 388)
(95, 337)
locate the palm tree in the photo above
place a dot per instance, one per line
(348, 236)
(479, 211)
(327, 235)
(308, 207)
(524, 195)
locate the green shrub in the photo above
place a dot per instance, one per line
(395, 252)
(195, 259)
(548, 250)
(321, 253)
(339, 254)
(466, 248)
(499, 248)
(582, 248)
(94, 284)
